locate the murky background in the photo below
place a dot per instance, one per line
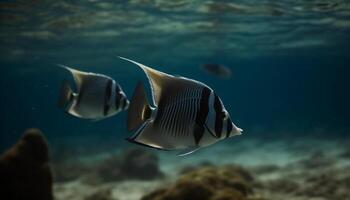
(289, 62)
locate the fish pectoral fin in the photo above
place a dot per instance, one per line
(132, 140)
(188, 151)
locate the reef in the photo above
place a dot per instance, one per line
(25, 172)
(208, 183)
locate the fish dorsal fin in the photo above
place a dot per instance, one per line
(77, 75)
(156, 78)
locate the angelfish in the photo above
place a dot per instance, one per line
(186, 115)
(98, 96)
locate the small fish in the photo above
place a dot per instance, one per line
(187, 114)
(220, 71)
(98, 96)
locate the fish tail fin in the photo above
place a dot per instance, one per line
(139, 109)
(66, 94)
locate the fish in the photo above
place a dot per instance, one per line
(186, 114)
(218, 70)
(97, 97)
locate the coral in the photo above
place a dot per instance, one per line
(208, 183)
(25, 172)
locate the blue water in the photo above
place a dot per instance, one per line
(290, 61)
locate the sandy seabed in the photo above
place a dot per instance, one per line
(282, 169)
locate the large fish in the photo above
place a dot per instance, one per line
(186, 116)
(98, 96)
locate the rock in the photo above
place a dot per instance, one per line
(208, 183)
(25, 172)
(103, 194)
(140, 164)
(130, 164)
(228, 194)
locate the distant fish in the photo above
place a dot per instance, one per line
(187, 115)
(218, 70)
(98, 96)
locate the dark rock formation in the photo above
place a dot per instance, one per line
(208, 183)
(24, 169)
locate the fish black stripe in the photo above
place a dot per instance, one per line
(229, 127)
(202, 115)
(118, 96)
(219, 116)
(124, 103)
(108, 95)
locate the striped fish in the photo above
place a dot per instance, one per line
(186, 116)
(98, 96)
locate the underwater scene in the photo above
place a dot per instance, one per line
(175, 100)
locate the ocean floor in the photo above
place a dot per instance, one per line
(302, 168)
